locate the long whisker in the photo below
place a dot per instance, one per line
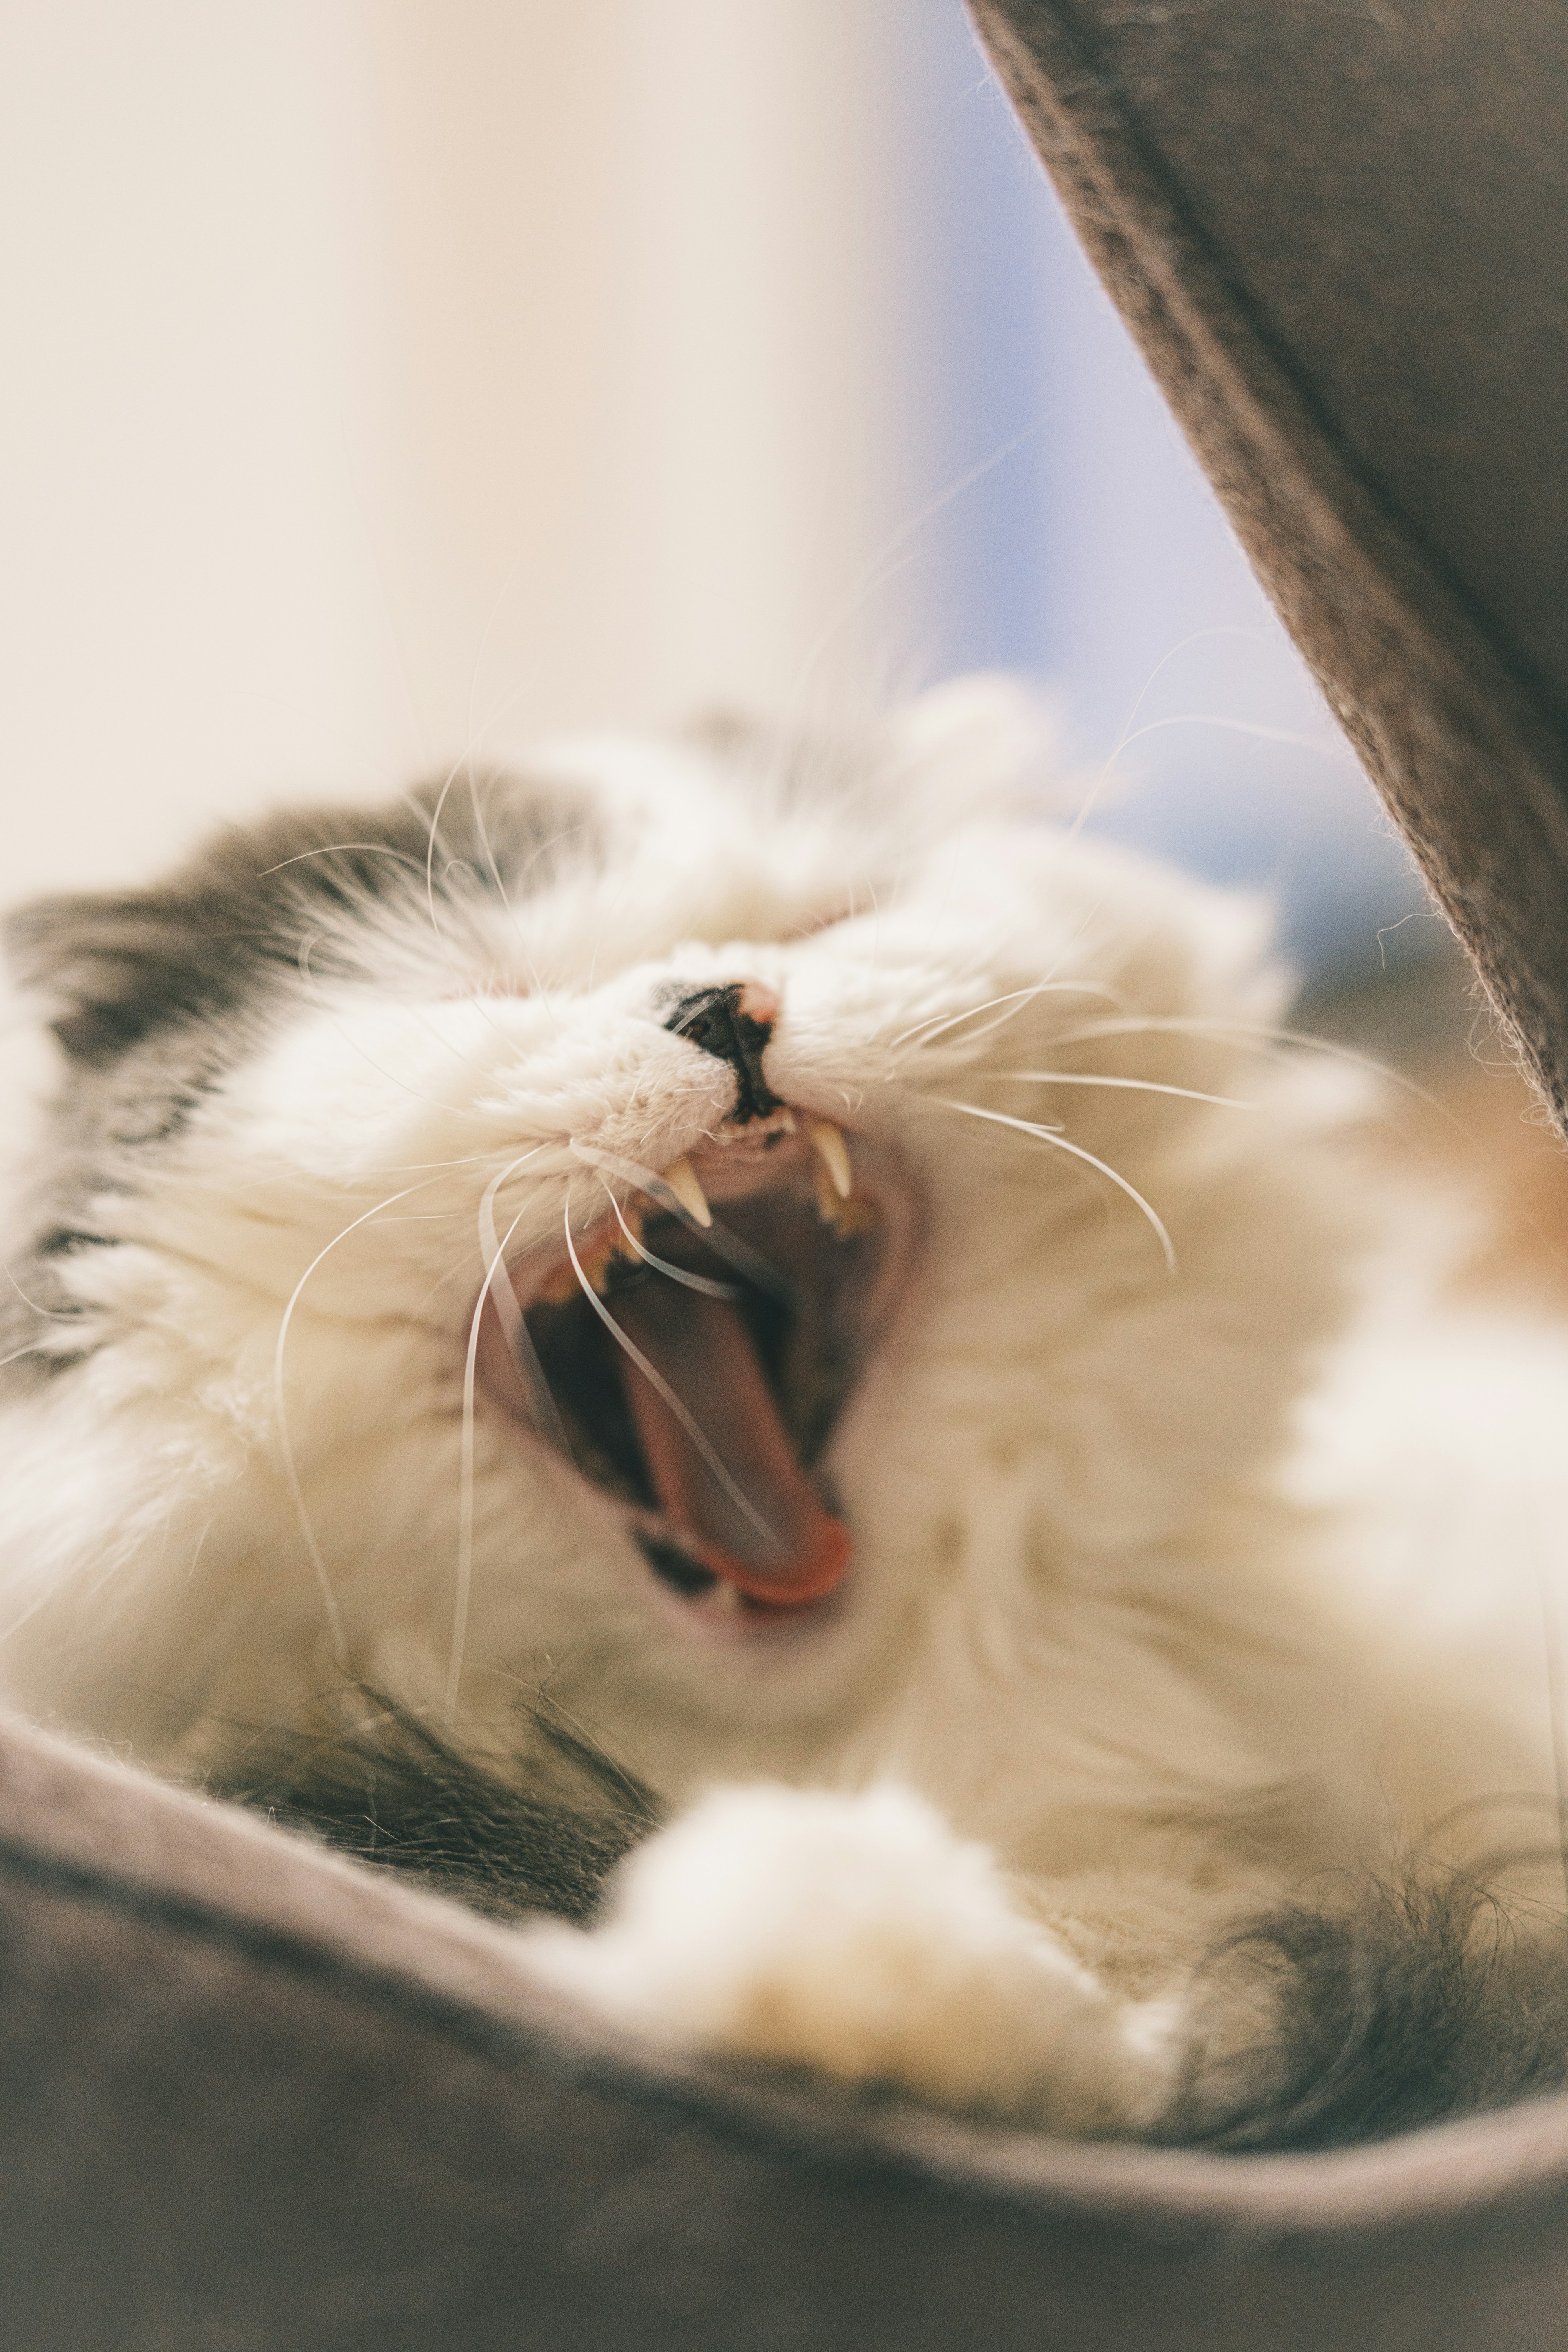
(49, 1314)
(331, 848)
(939, 1023)
(1220, 629)
(483, 831)
(290, 1468)
(676, 1272)
(888, 560)
(1135, 1085)
(494, 1285)
(1323, 744)
(434, 827)
(509, 1314)
(1060, 1143)
(1261, 1033)
(717, 1237)
(657, 1381)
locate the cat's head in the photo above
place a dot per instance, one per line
(679, 1226)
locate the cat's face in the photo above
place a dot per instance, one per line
(681, 1234)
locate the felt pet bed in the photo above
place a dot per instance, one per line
(258, 2099)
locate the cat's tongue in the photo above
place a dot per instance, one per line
(703, 1349)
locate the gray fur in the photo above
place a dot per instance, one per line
(540, 1836)
(1411, 1999)
(158, 992)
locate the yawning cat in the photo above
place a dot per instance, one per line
(757, 1301)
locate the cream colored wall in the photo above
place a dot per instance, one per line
(381, 376)
(634, 306)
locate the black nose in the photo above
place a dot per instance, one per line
(733, 1024)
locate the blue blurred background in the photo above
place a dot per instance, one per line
(1086, 549)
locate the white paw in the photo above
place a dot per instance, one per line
(858, 1936)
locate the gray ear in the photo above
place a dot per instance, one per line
(229, 926)
(118, 966)
(225, 929)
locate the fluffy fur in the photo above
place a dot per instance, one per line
(1176, 1757)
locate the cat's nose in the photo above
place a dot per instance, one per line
(732, 1023)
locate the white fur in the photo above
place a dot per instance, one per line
(1124, 1653)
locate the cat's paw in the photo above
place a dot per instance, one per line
(860, 1936)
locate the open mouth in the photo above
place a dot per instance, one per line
(693, 1355)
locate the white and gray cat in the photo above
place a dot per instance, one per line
(748, 1301)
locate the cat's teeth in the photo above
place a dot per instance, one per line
(783, 1117)
(681, 1178)
(596, 1262)
(827, 1142)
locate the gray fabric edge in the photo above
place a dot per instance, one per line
(117, 1838)
(1468, 759)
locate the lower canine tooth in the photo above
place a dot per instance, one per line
(681, 1178)
(596, 1263)
(827, 1142)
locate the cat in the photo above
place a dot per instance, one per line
(746, 1341)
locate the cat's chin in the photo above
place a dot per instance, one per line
(725, 1618)
(692, 1356)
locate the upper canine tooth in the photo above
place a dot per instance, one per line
(681, 1178)
(827, 1142)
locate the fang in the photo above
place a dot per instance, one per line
(680, 1178)
(827, 1142)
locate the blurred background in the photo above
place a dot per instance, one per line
(386, 380)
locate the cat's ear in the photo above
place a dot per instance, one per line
(114, 968)
(984, 742)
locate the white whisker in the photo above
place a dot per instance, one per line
(435, 825)
(1135, 1085)
(1293, 735)
(49, 1314)
(717, 1235)
(1060, 1143)
(939, 1023)
(1258, 1032)
(290, 1468)
(1220, 629)
(676, 1272)
(331, 848)
(897, 550)
(658, 1382)
(496, 1287)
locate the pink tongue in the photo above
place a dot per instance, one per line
(701, 1348)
